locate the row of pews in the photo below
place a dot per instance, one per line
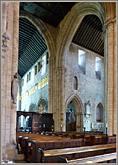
(50, 147)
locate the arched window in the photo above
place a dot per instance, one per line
(82, 60)
(22, 123)
(98, 68)
(99, 113)
(75, 83)
(43, 65)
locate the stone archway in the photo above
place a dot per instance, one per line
(79, 110)
(72, 22)
(42, 106)
(67, 29)
(71, 117)
(99, 113)
(48, 34)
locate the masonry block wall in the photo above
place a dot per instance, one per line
(58, 40)
(89, 87)
(29, 102)
(10, 28)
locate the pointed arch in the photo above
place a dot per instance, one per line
(74, 97)
(79, 110)
(42, 28)
(72, 22)
(99, 113)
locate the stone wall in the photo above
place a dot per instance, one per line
(30, 102)
(10, 28)
(89, 88)
(58, 41)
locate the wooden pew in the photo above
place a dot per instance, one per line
(52, 142)
(111, 139)
(52, 156)
(54, 145)
(105, 158)
(44, 142)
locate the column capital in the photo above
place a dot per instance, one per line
(110, 21)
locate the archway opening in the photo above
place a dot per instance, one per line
(22, 123)
(28, 124)
(33, 67)
(71, 117)
(42, 106)
(85, 60)
(99, 113)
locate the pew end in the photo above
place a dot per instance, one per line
(62, 159)
(40, 155)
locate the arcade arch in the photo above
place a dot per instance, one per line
(77, 109)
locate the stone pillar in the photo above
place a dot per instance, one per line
(111, 78)
(10, 26)
(14, 63)
(115, 81)
(59, 99)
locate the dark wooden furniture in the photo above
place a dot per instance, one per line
(105, 158)
(53, 156)
(34, 145)
(40, 122)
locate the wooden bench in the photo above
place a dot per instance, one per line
(52, 156)
(30, 143)
(54, 145)
(105, 158)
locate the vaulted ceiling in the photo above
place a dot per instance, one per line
(31, 43)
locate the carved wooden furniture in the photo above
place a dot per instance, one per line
(40, 122)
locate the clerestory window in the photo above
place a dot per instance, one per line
(98, 68)
(82, 60)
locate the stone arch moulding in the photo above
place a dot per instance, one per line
(72, 22)
(79, 110)
(101, 111)
(42, 28)
(77, 101)
(49, 37)
(42, 101)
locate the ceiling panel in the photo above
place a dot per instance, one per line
(31, 45)
(89, 34)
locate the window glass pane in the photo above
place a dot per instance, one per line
(36, 69)
(98, 68)
(43, 65)
(98, 64)
(29, 75)
(75, 83)
(39, 66)
(32, 75)
(47, 58)
(81, 60)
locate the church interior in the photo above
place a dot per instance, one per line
(58, 82)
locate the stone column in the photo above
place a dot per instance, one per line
(14, 62)
(105, 76)
(59, 99)
(115, 81)
(111, 72)
(10, 19)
